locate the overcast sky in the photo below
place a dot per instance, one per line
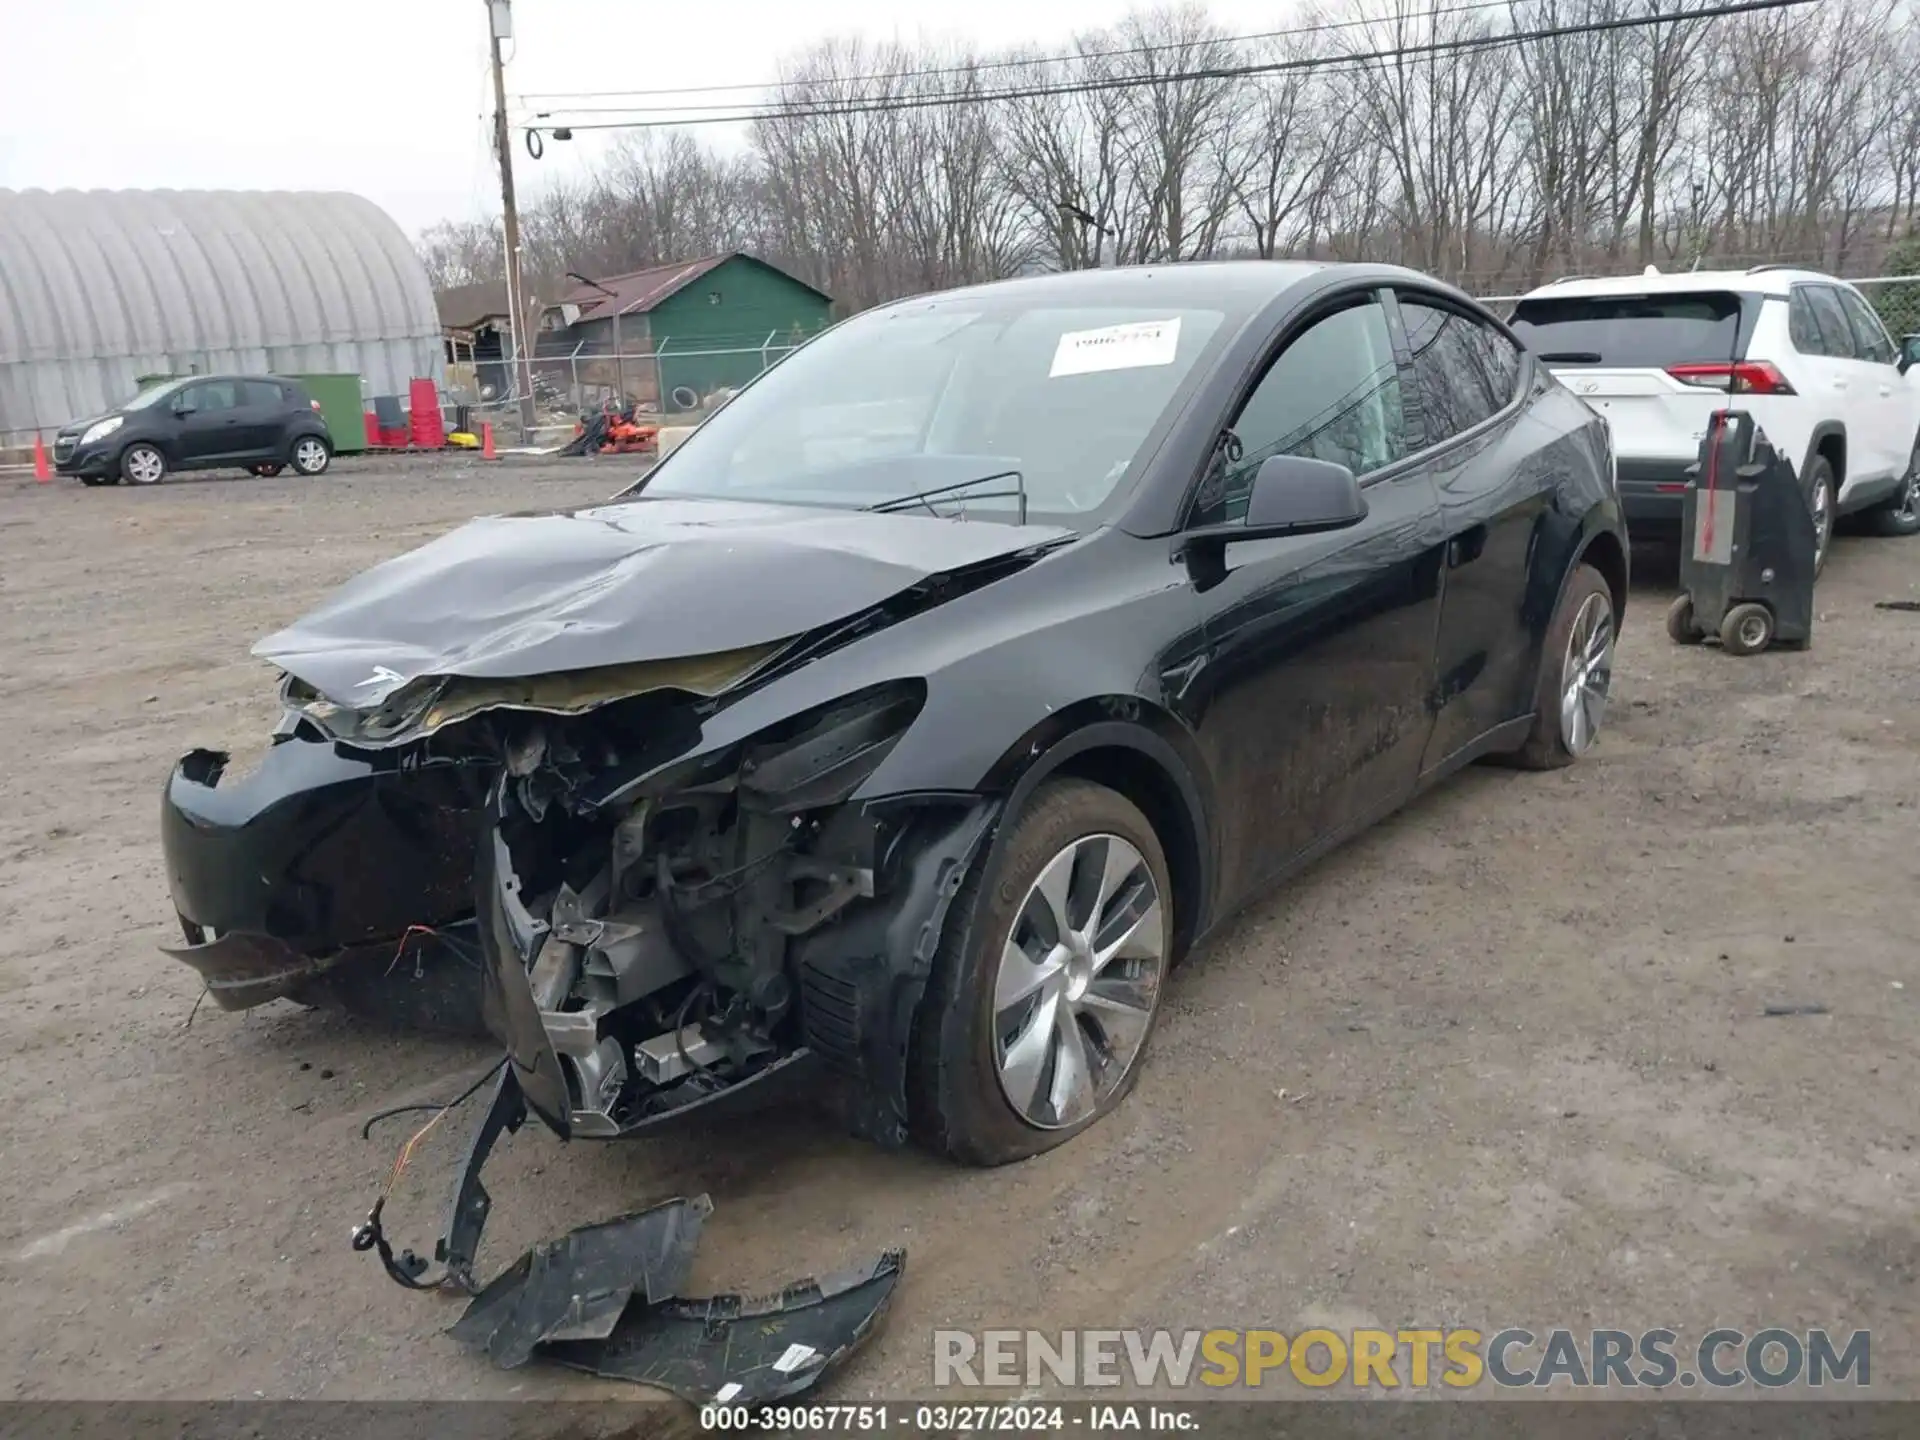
(391, 98)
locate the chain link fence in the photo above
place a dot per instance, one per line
(673, 382)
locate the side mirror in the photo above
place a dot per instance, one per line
(1291, 495)
(1909, 352)
(182, 410)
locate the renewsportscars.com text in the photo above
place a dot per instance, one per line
(1723, 1358)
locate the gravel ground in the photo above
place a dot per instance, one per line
(1503, 1061)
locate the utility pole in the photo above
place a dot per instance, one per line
(500, 27)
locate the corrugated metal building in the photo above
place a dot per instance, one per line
(100, 287)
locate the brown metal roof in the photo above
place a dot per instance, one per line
(642, 290)
(467, 307)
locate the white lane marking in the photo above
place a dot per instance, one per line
(106, 1220)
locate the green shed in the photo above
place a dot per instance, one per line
(673, 331)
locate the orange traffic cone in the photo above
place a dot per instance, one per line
(486, 443)
(41, 470)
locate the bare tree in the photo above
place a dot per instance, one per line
(1405, 130)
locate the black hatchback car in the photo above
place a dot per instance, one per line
(910, 719)
(257, 423)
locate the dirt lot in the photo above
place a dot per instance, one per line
(1501, 1062)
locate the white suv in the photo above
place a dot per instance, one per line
(1802, 352)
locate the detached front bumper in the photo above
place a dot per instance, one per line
(299, 879)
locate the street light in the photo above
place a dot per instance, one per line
(1091, 222)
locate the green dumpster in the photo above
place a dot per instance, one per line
(342, 407)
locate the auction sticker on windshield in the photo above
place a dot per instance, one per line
(1116, 347)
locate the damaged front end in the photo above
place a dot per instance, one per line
(671, 934)
(687, 939)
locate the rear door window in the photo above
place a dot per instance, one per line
(1803, 325)
(1870, 340)
(1637, 331)
(262, 395)
(1834, 325)
(1464, 371)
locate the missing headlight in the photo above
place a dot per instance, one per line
(832, 752)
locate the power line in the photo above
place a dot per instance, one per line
(975, 67)
(807, 110)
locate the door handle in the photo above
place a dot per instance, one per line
(1886, 390)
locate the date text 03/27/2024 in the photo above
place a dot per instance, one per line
(941, 1419)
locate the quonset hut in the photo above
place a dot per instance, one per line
(101, 287)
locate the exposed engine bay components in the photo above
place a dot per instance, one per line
(660, 939)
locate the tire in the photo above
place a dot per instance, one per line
(266, 470)
(1819, 477)
(143, 464)
(958, 1102)
(1557, 738)
(1682, 628)
(1747, 629)
(99, 479)
(1900, 516)
(309, 455)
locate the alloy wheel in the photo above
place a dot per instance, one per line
(309, 455)
(1586, 675)
(1822, 502)
(145, 466)
(1078, 981)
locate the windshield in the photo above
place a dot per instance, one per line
(1635, 331)
(152, 394)
(934, 394)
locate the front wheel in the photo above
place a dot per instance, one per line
(265, 470)
(143, 465)
(1047, 982)
(1576, 674)
(311, 455)
(1682, 628)
(1747, 629)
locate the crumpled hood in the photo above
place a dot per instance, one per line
(641, 580)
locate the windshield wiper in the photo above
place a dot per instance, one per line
(925, 497)
(1572, 357)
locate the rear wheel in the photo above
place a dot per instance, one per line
(1900, 515)
(311, 455)
(267, 470)
(143, 465)
(1820, 502)
(1576, 675)
(1048, 980)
